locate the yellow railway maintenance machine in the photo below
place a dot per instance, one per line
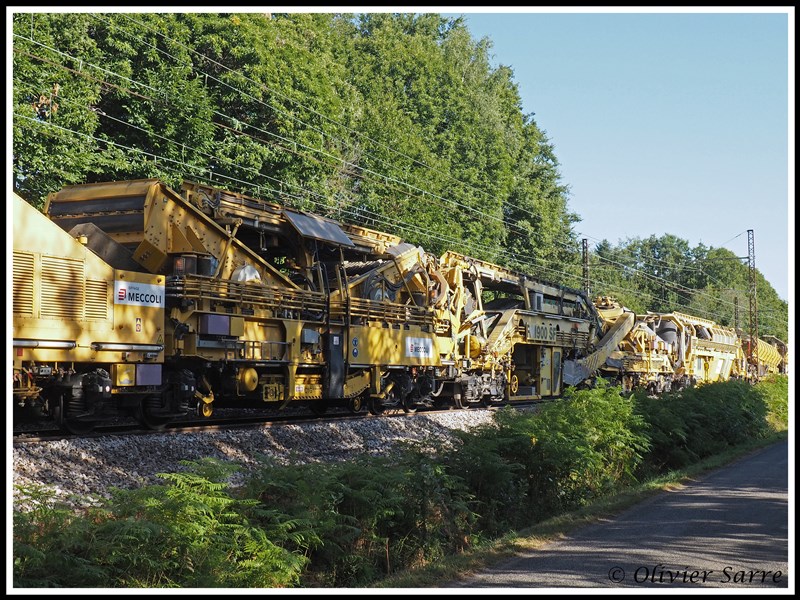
(88, 338)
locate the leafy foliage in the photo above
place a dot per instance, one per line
(532, 465)
(695, 423)
(774, 391)
(52, 544)
(665, 274)
(187, 533)
(370, 516)
(395, 121)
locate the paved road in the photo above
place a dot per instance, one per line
(728, 529)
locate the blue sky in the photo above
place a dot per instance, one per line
(663, 123)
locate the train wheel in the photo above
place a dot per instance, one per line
(376, 406)
(147, 415)
(205, 406)
(410, 404)
(355, 405)
(60, 414)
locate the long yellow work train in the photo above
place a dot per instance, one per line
(132, 298)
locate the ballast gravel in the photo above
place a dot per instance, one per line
(79, 471)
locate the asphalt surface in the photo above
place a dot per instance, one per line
(727, 529)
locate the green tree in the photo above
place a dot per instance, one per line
(395, 121)
(53, 126)
(665, 274)
(542, 241)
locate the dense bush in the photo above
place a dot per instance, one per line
(530, 466)
(371, 516)
(187, 533)
(52, 544)
(695, 423)
(774, 391)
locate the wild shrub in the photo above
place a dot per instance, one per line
(774, 392)
(529, 466)
(371, 516)
(437, 519)
(735, 413)
(591, 441)
(189, 532)
(52, 544)
(671, 430)
(695, 423)
(494, 461)
(339, 543)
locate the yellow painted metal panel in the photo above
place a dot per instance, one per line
(123, 374)
(237, 326)
(389, 346)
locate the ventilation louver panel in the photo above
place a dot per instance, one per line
(96, 300)
(62, 291)
(23, 284)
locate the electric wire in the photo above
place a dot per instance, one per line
(380, 219)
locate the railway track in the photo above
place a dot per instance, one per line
(221, 423)
(130, 427)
